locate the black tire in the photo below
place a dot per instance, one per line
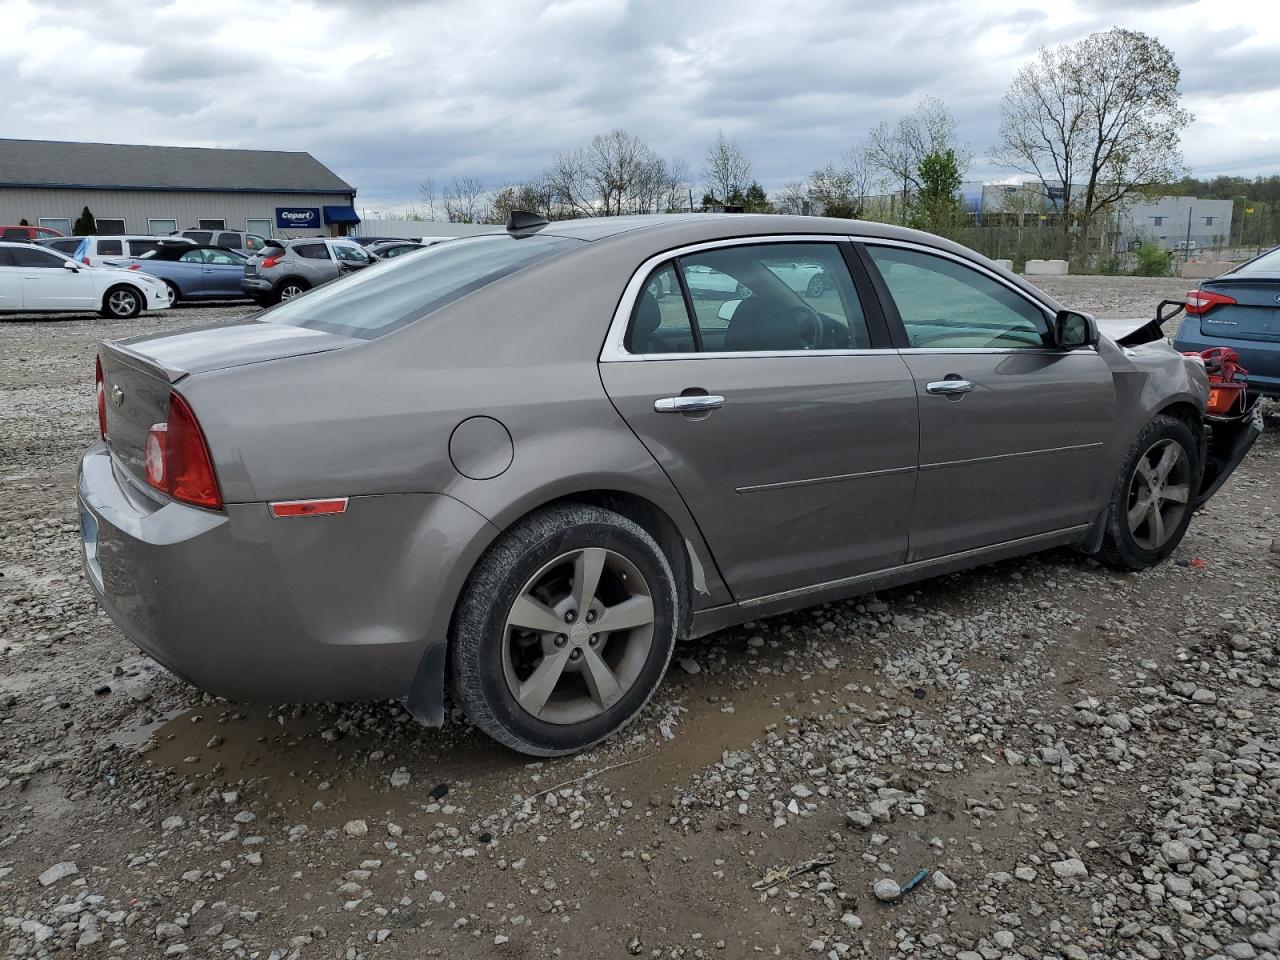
(1122, 548)
(283, 289)
(122, 302)
(479, 633)
(173, 289)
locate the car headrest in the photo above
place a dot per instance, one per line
(759, 324)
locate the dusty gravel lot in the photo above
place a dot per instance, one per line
(1087, 764)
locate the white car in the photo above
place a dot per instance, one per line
(35, 279)
(92, 251)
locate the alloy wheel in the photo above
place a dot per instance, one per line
(1159, 494)
(122, 303)
(577, 636)
(289, 291)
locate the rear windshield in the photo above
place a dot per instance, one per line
(1267, 263)
(389, 295)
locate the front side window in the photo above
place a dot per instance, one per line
(775, 297)
(312, 251)
(947, 305)
(349, 253)
(110, 248)
(223, 257)
(253, 242)
(371, 303)
(659, 321)
(192, 256)
(35, 257)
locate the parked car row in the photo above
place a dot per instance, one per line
(35, 279)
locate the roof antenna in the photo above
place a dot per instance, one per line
(522, 221)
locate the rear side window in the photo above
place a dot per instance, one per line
(947, 305)
(110, 248)
(199, 236)
(14, 233)
(659, 322)
(64, 246)
(371, 303)
(140, 248)
(312, 251)
(228, 240)
(753, 298)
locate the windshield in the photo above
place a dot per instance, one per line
(1267, 263)
(391, 294)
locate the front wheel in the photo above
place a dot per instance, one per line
(1153, 498)
(121, 303)
(817, 286)
(564, 630)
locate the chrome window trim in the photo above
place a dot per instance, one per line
(614, 349)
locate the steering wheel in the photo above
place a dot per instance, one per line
(809, 324)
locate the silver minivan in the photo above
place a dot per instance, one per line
(285, 269)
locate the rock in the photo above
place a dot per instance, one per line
(140, 694)
(172, 823)
(689, 665)
(858, 818)
(942, 882)
(58, 871)
(887, 890)
(355, 828)
(1025, 874)
(852, 921)
(401, 778)
(168, 931)
(801, 791)
(1175, 852)
(1069, 869)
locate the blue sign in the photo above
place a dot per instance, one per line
(298, 218)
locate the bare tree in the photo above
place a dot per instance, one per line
(896, 149)
(616, 173)
(793, 198)
(728, 171)
(466, 201)
(676, 184)
(1095, 121)
(427, 192)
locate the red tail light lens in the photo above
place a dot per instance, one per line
(85, 261)
(177, 458)
(101, 389)
(134, 266)
(1200, 302)
(272, 260)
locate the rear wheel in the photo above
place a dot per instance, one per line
(288, 289)
(817, 285)
(1152, 500)
(121, 303)
(564, 630)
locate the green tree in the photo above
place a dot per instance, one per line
(755, 200)
(23, 222)
(85, 225)
(936, 207)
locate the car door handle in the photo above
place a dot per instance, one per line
(691, 404)
(948, 388)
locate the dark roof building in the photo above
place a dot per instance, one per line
(140, 189)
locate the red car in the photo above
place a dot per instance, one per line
(28, 234)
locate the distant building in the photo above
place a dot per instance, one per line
(158, 190)
(1169, 221)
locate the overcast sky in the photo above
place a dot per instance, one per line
(387, 93)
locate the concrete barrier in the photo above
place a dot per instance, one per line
(1046, 268)
(1007, 264)
(1203, 271)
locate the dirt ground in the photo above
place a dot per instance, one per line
(1086, 764)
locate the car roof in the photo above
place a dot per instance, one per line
(176, 250)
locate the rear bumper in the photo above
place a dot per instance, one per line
(255, 286)
(1259, 357)
(252, 607)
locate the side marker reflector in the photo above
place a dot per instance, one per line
(308, 508)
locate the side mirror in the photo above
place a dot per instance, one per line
(71, 265)
(728, 309)
(1071, 330)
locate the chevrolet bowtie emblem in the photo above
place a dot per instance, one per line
(117, 395)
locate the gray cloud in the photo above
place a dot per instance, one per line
(388, 94)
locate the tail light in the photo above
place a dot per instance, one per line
(272, 260)
(101, 389)
(177, 458)
(85, 261)
(134, 266)
(1200, 302)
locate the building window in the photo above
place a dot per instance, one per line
(107, 227)
(211, 224)
(162, 227)
(61, 224)
(1208, 221)
(1158, 221)
(261, 228)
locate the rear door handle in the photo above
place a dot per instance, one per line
(691, 404)
(948, 388)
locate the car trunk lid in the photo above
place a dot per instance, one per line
(1255, 315)
(139, 373)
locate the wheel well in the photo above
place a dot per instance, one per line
(1186, 412)
(298, 280)
(122, 285)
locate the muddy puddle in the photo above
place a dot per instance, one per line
(371, 762)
